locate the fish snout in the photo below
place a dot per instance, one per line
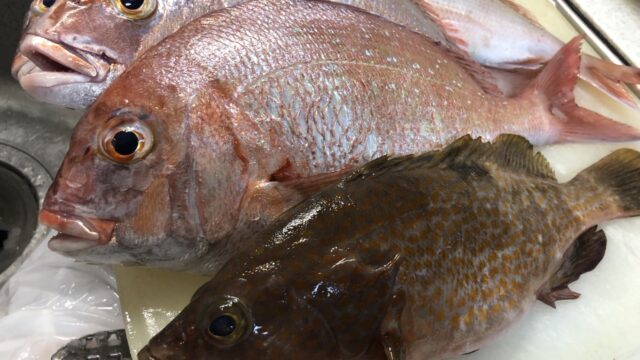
(145, 354)
(76, 233)
(53, 57)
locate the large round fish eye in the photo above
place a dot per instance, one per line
(229, 322)
(42, 6)
(126, 142)
(223, 325)
(135, 9)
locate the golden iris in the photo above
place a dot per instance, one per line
(135, 9)
(229, 322)
(127, 143)
(42, 6)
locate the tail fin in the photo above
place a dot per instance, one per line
(608, 77)
(556, 83)
(619, 175)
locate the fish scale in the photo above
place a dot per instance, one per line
(255, 118)
(111, 40)
(418, 257)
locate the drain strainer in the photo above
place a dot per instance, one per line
(106, 345)
(23, 184)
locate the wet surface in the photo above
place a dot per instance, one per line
(33, 141)
(4, 235)
(18, 215)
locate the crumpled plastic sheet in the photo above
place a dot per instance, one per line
(52, 300)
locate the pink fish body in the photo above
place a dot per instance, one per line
(502, 35)
(244, 112)
(71, 51)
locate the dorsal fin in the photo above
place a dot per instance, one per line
(517, 153)
(480, 74)
(507, 151)
(457, 48)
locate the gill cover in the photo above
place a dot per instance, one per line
(355, 299)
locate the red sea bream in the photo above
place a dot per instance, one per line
(248, 110)
(71, 51)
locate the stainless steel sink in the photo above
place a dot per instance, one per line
(611, 26)
(33, 141)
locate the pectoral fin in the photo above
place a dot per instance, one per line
(392, 339)
(583, 256)
(265, 200)
(389, 346)
(354, 298)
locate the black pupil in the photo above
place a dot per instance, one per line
(129, 4)
(125, 142)
(48, 3)
(222, 326)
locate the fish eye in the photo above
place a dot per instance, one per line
(127, 142)
(43, 5)
(135, 9)
(229, 322)
(223, 325)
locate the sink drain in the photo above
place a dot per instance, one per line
(23, 184)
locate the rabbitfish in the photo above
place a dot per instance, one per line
(503, 35)
(72, 50)
(235, 118)
(410, 258)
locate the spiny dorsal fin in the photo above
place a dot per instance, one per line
(507, 151)
(516, 152)
(387, 163)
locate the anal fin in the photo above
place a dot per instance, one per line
(583, 256)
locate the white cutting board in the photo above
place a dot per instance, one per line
(604, 324)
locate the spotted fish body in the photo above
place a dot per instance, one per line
(71, 51)
(423, 257)
(245, 112)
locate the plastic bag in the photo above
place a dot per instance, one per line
(52, 300)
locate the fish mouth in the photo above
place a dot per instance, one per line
(42, 63)
(146, 354)
(76, 233)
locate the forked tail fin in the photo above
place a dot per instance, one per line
(556, 83)
(608, 78)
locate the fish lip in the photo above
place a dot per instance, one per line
(18, 64)
(76, 233)
(51, 63)
(40, 50)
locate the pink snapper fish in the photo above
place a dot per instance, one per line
(243, 112)
(72, 50)
(502, 35)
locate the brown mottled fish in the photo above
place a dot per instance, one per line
(235, 118)
(72, 50)
(417, 257)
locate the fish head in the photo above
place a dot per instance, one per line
(140, 184)
(242, 319)
(71, 51)
(312, 303)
